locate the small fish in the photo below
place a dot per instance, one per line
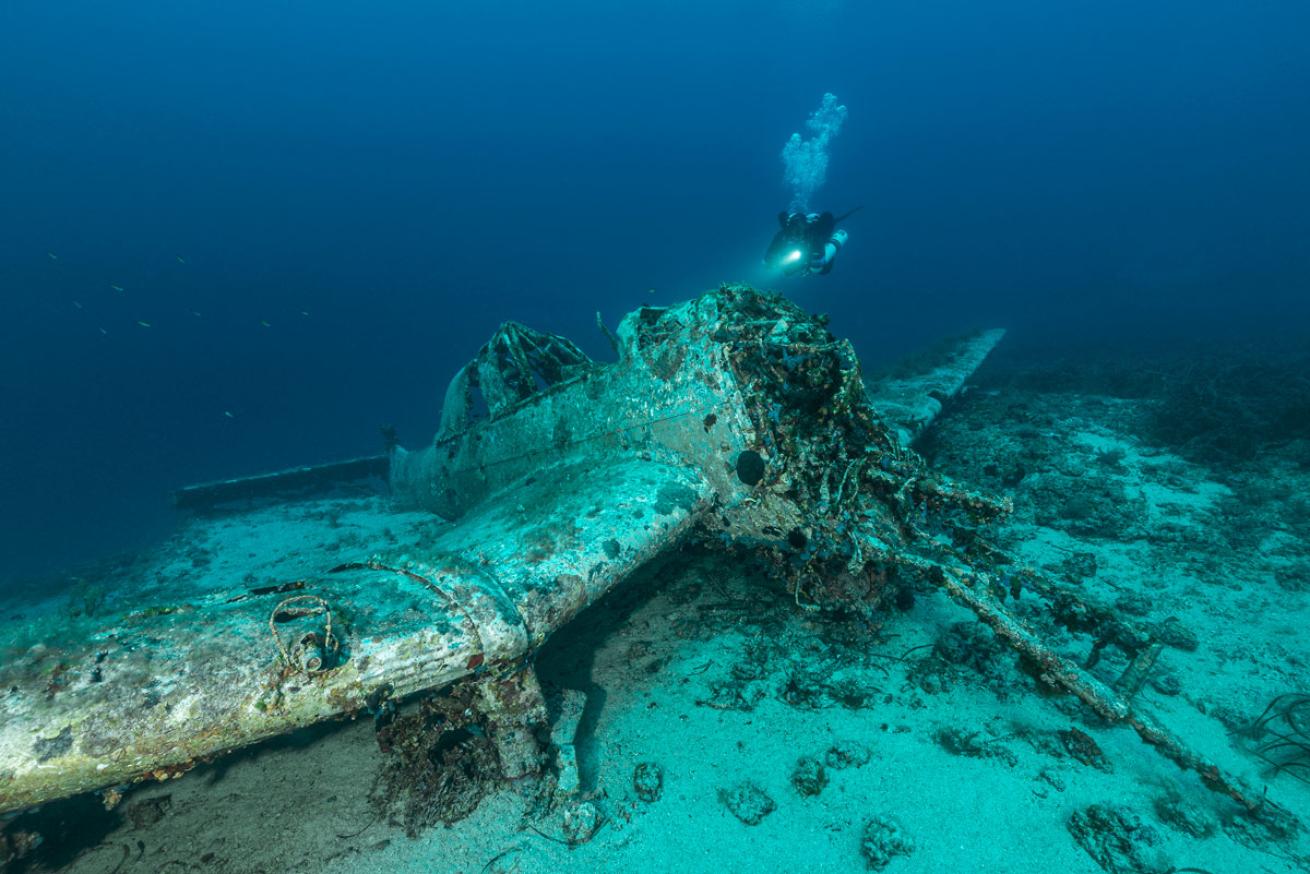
(181, 260)
(303, 313)
(265, 324)
(104, 333)
(228, 414)
(196, 314)
(143, 324)
(77, 304)
(116, 287)
(52, 256)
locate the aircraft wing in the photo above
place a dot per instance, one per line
(910, 396)
(178, 656)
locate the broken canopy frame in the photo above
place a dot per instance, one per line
(735, 413)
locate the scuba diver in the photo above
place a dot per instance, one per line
(806, 243)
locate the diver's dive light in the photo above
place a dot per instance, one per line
(792, 257)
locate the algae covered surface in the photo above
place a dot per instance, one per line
(717, 725)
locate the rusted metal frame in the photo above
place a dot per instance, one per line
(1105, 626)
(517, 356)
(1059, 671)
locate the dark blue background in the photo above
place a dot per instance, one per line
(410, 174)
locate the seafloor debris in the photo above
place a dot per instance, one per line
(748, 802)
(967, 649)
(581, 821)
(1185, 816)
(1167, 684)
(1118, 840)
(648, 781)
(1265, 827)
(1079, 566)
(847, 754)
(972, 744)
(440, 764)
(809, 776)
(1080, 745)
(1174, 633)
(882, 840)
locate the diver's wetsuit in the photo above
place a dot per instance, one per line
(805, 243)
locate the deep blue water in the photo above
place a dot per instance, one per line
(383, 183)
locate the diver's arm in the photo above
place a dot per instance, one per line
(823, 263)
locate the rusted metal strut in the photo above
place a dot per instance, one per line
(1064, 673)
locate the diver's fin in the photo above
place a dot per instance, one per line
(910, 396)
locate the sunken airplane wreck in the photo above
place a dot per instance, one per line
(736, 419)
